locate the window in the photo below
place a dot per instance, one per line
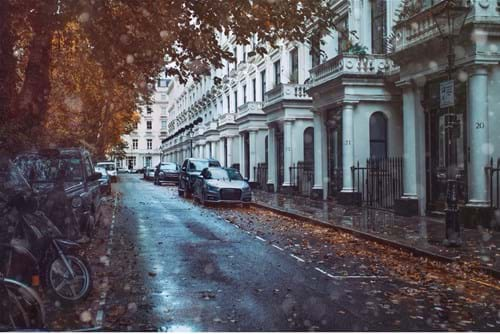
(149, 125)
(149, 110)
(163, 110)
(162, 82)
(135, 144)
(263, 84)
(148, 161)
(379, 20)
(163, 97)
(132, 162)
(163, 124)
(136, 125)
(315, 50)
(228, 104)
(277, 72)
(254, 88)
(244, 94)
(378, 135)
(235, 101)
(149, 143)
(294, 66)
(343, 36)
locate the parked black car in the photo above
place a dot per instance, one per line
(190, 170)
(221, 185)
(67, 186)
(166, 172)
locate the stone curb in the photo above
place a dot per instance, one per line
(411, 249)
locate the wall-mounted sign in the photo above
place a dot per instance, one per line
(447, 94)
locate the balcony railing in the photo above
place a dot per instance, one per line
(352, 65)
(227, 118)
(249, 108)
(286, 92)
(421, 27)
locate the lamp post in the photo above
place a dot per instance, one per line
(450, 19)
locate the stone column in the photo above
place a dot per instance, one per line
(319, 133)
(229, 151)
(242, 155)
(221, 153)
(348, 195)
(288, 141)
(207, 150)
(271, 160)
(253, 154)
(407, 205)
(480, 147)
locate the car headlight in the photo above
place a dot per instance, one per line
(76, 202)
(212, 188)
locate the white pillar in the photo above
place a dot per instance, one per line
(229, 151)
(409, 143)
(253, 153)
(207, 150)
(477, 118)
(288, 141)
(221, 153)
(271, 159)
(347, 147)
(242, 155)
(319, 135)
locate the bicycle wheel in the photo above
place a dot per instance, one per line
(22, 309)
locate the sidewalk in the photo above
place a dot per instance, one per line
(420, 235)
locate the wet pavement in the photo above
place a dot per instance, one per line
(480, 246)
(174, 265)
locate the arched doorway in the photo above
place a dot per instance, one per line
(378, 135)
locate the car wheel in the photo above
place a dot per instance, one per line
(180, 192)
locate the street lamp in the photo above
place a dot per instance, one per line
(450, 19)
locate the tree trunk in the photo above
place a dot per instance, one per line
(7, 70)
(32, 102)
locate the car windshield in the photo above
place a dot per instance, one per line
(234, 175)
(218, 174)
(199, 165)
(107, 166)
(101, 170)
(169, 167)
(41, 169)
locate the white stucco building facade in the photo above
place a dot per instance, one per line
(144, 143)
(360, 121)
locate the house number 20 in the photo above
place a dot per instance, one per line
(479, 125)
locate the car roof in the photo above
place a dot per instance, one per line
(71, 151)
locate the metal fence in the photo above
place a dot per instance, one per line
(493, 174)
(260, 172)
(302, 177)
(380, 182)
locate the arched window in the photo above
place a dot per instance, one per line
(309, 144)
(378, 135)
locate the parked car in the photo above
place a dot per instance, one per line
(104, 181)
(149, 173)
(166, 172)
(71, 171)
(221, 185)
(110, 168)
(190, 170)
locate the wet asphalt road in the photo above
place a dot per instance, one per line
(179, 266)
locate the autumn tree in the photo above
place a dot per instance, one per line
(130, 42)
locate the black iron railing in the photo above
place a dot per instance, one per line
(380, 182)
(493, 174)
(260, 173)
(302, 177)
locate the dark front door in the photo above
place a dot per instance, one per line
(247, 155)
(334, 157)
(280, 158)
(445, 149)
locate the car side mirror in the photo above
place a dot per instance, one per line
(183, 169)
(245, 179)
